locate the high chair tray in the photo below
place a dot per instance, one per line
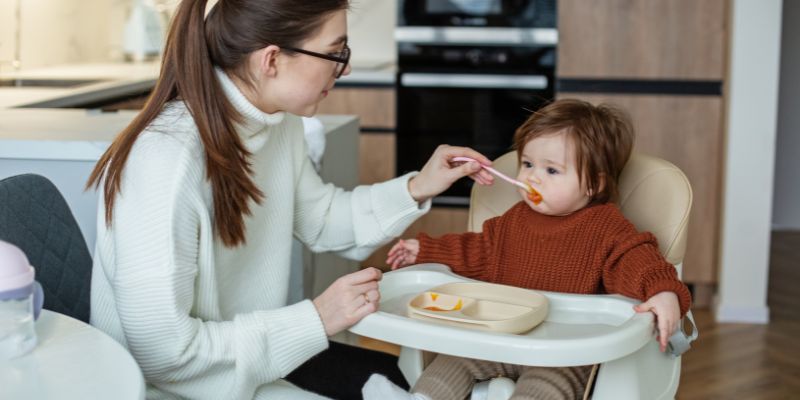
(578, 329)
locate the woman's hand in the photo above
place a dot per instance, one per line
(403, 253)
(439, 173)
(668, 312)
(348, 300)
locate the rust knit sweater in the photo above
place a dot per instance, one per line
(592, 251)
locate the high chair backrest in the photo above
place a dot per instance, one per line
(653, 194)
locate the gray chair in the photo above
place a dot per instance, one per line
(36, 218)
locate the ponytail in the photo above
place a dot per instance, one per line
(187, 71)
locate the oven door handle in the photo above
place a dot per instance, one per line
(473, 81)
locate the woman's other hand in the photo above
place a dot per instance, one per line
(439, 173)
(668, 313)
(348, 300)
(403, 253)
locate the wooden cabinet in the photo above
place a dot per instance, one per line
(377, 157)
(657, 39)
(375, 107)
(664, 62)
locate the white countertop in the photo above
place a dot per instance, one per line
(114, 79)
(118, 79)
(77, 134)
(378, 74)
(64, 134)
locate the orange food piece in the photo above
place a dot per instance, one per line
(434, 296)
(456, 308)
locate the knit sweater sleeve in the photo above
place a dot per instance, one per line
(635, 268)
(466, 254)
(351, 223)
(160, 222)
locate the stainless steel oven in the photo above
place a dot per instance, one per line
(470, 76)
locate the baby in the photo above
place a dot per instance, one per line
(574, 240)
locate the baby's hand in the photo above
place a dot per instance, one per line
(668, 312)
(403, 253)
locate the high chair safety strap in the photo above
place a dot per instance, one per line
(680, 342)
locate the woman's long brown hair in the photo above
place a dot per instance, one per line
(195, 45)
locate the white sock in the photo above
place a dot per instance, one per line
(380, 388)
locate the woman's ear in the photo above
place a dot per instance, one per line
(266, 60)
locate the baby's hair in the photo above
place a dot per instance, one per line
(602, 135)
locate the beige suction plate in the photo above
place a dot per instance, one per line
(481, 306)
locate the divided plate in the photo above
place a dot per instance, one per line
(481, 306)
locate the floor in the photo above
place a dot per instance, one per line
(784, 276)
(742, 361)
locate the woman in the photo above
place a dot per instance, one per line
(203, 192)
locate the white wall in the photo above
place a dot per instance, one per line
(786, 213)
(7, 28)
(72, 31)
(55, 31)
(370, 27)
(751, 120)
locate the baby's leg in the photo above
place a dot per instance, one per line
(562, 383)
(452, 378)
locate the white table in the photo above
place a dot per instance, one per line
(72, 360)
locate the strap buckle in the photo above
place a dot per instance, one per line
(680, 342)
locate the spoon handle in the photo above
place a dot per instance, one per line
(496, 172)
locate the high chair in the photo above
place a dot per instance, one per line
(580, 329)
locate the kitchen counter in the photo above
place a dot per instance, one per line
(116, 80)
(77, 134)
(63, 134)
(370, 75)
(112, 80)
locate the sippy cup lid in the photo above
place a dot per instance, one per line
(15, 270)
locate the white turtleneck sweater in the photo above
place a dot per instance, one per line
(204, 320)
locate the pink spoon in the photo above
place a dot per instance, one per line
(533, 195)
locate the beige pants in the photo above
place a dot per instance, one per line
(452, 378)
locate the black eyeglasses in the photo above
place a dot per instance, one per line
(341, 58)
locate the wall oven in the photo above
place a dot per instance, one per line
(469, 73)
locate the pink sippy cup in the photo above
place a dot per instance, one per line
(21, 301)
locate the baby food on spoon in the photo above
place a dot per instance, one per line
(533, 195)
